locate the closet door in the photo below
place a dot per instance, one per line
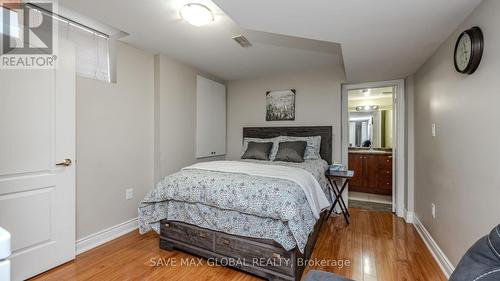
(37, 176)
(210, 118)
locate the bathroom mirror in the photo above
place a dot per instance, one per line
(371, 129)
(371, 118)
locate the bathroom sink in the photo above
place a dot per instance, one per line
(370, 151)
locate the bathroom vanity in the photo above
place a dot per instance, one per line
(372, 171)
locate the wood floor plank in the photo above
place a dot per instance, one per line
(378, 246)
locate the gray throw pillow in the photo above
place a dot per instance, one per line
(313, 146)
(291, 151)
(275, 141)
(258, 150)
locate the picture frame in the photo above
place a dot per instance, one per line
(280, 105)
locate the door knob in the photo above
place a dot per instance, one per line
(65, 163)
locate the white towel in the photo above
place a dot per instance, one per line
(312, 189)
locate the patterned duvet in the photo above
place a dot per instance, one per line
(239, 204)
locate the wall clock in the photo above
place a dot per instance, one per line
(469, 50)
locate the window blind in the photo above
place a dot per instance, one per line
(92, 46)
(12, 27)
(92, 51)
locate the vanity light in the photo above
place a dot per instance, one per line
(367, 108)
(196, 14)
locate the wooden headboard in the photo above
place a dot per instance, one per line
(270, 132)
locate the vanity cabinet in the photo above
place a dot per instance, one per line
(372, 172)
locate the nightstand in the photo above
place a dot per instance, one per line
(344, 176)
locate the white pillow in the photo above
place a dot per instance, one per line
(313, 146)
(274, 150)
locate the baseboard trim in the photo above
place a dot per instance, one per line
(443, 261)
(106, 235)
(409, 216)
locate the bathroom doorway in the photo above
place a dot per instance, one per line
(371, 115)
(373, 145)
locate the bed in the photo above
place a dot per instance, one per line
(261, 225)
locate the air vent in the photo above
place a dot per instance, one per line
(242, 41)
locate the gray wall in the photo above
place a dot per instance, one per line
(410, 145)
(317, 103)
(131, 133)
(114, 142)
(459, 168)
(175, 117)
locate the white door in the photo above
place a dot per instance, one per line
(210, 118)
(37, 196)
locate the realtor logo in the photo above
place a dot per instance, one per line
(28, 36)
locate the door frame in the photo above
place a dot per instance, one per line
(399, 144)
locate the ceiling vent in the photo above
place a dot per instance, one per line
(242, 41)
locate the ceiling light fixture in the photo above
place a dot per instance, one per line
(196, 14)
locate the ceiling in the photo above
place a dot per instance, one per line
(374, 39)
(371, 93)
(380, 39)
(376, 96)
(155, 25)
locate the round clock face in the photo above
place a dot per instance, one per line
(469, 50)
(463, 52)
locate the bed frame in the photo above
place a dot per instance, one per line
(262, 257)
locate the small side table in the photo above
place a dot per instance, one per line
(345, 176)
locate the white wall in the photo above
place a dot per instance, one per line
(317, 104)
(175, 117)
(114, 142)
(459, 168)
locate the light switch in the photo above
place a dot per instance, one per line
(433, 129)
(129, 193)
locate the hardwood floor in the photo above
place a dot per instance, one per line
(378, 246)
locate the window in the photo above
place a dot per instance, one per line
(92, 46)
(12, 27)
(92, 50)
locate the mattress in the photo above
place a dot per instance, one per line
(236, 203)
